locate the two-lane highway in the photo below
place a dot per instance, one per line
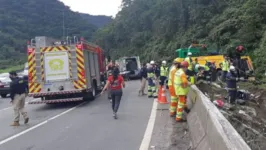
(83, 126)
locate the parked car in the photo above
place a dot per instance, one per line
(4, 85)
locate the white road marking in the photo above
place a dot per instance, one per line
(38, 125)
(148, 133)
(11, 107)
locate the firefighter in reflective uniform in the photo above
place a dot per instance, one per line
(181, 86)
(151, 81)
(231, 80)
(163, 73)
(190, 70)
(174, 98)
(18, 95)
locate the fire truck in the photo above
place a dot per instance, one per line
(64, 71)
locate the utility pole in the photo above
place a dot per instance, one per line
(63, 24)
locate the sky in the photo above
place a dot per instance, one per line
(94, 7)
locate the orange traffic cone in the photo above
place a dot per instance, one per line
(162, 99)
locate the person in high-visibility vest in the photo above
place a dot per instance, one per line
(163, 73)
(225, 67)
(151, 81)
(174, 98)
(190, 70)
(181, 86)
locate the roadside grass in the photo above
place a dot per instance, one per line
(13, 68)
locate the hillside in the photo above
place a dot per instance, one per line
(21, 20)
(155, 28)
(98, 21)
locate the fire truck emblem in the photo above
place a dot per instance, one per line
(56, 64)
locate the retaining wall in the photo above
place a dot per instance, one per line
(209, 129)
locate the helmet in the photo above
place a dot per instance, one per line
(152, 62)
(184, 64)
(164, 62)
(189, 53)
(232, 68)
(176, 60)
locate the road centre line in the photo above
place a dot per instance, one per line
(38, 125)
(149, 130)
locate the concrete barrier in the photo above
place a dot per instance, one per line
(209, 129)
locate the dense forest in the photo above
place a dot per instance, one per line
(154, 29)
(98, 21)
(21, 20)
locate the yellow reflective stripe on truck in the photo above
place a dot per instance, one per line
(33, 86)
(81, 82)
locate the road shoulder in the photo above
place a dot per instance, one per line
(167, 134)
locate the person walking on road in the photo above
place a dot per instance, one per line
(116, 83)
(143, 74)
(181, 86)
(18, 95)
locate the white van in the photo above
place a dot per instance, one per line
(26, 69)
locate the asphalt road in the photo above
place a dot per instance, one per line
(79, 126)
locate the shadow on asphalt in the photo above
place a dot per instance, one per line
(57, 106)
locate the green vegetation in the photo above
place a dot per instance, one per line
(21, 20)
(154, 29)
(13, 68)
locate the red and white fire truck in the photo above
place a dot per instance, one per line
(65, 71)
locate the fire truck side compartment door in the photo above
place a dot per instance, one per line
(87, 68)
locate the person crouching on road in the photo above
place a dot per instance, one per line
(116, 83)
(181, 86)
(143, 75)
(174, 98)
(18, 95)
(231, 80)
(163, 73)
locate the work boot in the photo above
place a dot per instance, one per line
(15, 124)
(143, 94)
(26, 120)
(140, 93)
(115, 115)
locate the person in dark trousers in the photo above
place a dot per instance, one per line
(143, 75)
(116, 83)
(18, 91)
(231, 80)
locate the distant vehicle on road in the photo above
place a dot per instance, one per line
(130, 65)
(5, 83)
(26, 69)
